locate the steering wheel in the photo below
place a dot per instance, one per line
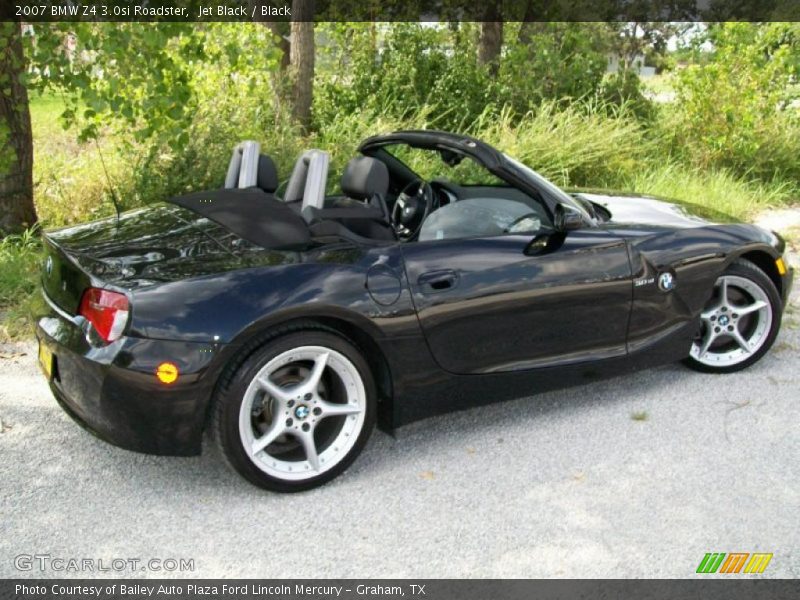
(411, 208)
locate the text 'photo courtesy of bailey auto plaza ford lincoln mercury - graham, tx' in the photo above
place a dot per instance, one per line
(338, 299)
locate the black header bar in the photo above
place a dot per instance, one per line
(700, 588)
(398, 10)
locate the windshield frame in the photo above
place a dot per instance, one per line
(544, 185)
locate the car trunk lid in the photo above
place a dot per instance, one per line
(161, 243)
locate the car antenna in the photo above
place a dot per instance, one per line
(114, 198)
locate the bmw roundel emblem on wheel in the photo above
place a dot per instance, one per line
(287, 323)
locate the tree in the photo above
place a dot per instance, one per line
(639, 35)
(302, 61)
(637, 39)
(490, 41)
(16, 156)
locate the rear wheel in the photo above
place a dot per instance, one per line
(297, 412)
(739, 323)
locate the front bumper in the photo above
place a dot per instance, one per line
(113, 392)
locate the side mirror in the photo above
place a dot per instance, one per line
(567, 218)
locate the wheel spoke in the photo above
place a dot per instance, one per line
(310, 448)
(273, 390)
(750, 308)
(708, 339)
(743, 343)
(329, 409)
(266, 439)
(320, 363)
(723, 292)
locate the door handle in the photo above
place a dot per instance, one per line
(438, 281)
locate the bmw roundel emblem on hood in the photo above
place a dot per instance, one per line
(666, 282)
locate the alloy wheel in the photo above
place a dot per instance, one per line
(302, 413)
(736, 323)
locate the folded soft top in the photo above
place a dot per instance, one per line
(252, 214)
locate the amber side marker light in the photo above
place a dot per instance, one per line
(167, 373)
(781, 265)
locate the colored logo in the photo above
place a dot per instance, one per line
(734, 562)
(666, 282)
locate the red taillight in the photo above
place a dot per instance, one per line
(107, 311)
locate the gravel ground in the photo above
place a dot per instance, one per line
(635, 477)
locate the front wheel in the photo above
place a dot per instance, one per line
(739, 323)
(297, 412)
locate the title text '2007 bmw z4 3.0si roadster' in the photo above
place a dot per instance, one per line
(435, 273)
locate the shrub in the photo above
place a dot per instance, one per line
(735, 111)
(19, 283)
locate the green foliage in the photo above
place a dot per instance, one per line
(716, 190)
(148, 79)
(397, 71)
(19, 298)
(580, 145)
(624, 89)
(69, 183)
(550, 61)
(735, 111)
(406, 68)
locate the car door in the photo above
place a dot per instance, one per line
(513, 302)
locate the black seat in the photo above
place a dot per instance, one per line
(363, 209)
(267, 174)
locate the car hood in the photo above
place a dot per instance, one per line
(651, 211)
(160, 243)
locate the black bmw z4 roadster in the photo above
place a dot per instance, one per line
(435, 273)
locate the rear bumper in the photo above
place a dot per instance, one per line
(113, 392)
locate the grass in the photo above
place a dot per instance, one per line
(716, 190)
(69, 181)
(19, 268)
(575, 146)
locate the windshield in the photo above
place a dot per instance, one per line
(434, 163)
(550, 187)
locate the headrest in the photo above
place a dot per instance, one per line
(267, 176)
(364, 177)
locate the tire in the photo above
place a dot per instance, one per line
(731, 339)
(297, 412)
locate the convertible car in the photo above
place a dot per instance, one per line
(434, 273)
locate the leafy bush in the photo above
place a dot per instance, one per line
(399, 71)
(735, 110)
(550, 62)
(70, 184)
(19, 268)
(624, 90)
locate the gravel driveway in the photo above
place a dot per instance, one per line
(635, 477)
